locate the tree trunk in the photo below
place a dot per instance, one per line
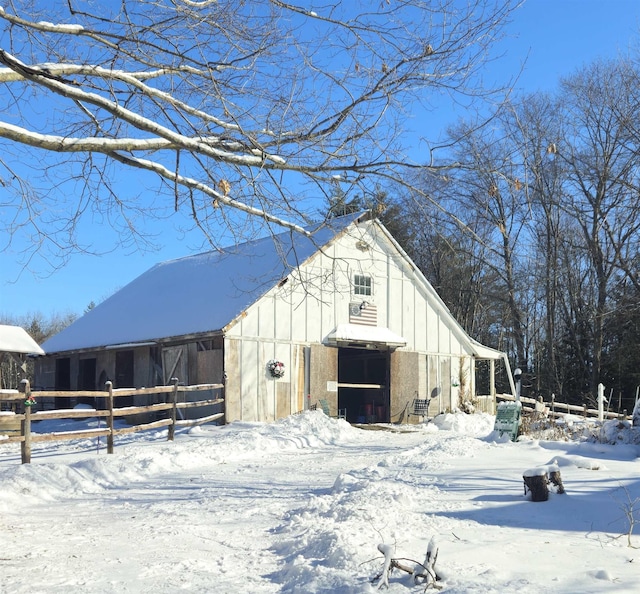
(538, 486)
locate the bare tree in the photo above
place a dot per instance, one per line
(229, 110)
(488, 191)
(533, 125)
(453, 260)
(548, 192)
(601, 155)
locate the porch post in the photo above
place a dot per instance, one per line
(492, 381)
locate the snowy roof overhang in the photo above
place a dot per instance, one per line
(364, 336)
(484, 352)
(14, 339)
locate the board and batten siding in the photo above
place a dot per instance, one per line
(313, 300)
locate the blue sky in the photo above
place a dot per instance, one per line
(547, 39)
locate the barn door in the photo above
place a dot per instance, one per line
(174, 364)
(363, 384)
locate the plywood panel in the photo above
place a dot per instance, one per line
(324, 368)
(405, 384)
(283, 399)
(210, 369)
(422, 376)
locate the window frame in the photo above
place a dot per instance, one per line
(362, 285)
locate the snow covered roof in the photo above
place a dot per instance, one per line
(201, 293)
(14, 339)
(484, 352)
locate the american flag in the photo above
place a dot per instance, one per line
(364, 313)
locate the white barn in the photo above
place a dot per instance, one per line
(344, 315)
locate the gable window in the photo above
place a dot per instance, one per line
(361, 284)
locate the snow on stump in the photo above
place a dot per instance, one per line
(555, 479)
(537, 481)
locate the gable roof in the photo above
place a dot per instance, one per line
(14, 339)
(477, 349)
(194, 294)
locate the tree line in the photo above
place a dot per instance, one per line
(13, 368)
(532, 237)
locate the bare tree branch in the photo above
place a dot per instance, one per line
(271, 98)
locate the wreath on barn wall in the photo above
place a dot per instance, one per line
(275, 368)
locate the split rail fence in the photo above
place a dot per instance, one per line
(559, 409)
(18, 425)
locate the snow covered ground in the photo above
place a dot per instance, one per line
(301, 505)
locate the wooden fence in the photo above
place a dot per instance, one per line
(558, 409)
(21, 421)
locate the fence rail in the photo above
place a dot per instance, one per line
(18, 425)
(558, 409)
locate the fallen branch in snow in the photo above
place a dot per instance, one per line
(630, 510)
(423, 573)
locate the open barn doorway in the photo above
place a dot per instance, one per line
(363, 384)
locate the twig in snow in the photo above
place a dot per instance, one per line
(424, 573)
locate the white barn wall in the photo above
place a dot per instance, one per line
(301, 312)
(294, 314)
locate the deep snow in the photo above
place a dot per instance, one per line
(302, 504)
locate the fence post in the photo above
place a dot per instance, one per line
(601, 402)
(110, 423)
(174, 408)
(25, 428)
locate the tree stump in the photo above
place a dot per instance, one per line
(556, 480)
(537, 483)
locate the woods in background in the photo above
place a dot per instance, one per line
(40, 328)
(533, 239)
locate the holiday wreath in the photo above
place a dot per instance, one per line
(276, 368)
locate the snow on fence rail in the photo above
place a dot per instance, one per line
(20, 423)
(558, 409)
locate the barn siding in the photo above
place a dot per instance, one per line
(405, 384)
(46, 373)
(252, 393)
(324, 368)
(249, 380)
(301, 312)
(210, 366)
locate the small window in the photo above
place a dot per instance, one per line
(361, 284)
